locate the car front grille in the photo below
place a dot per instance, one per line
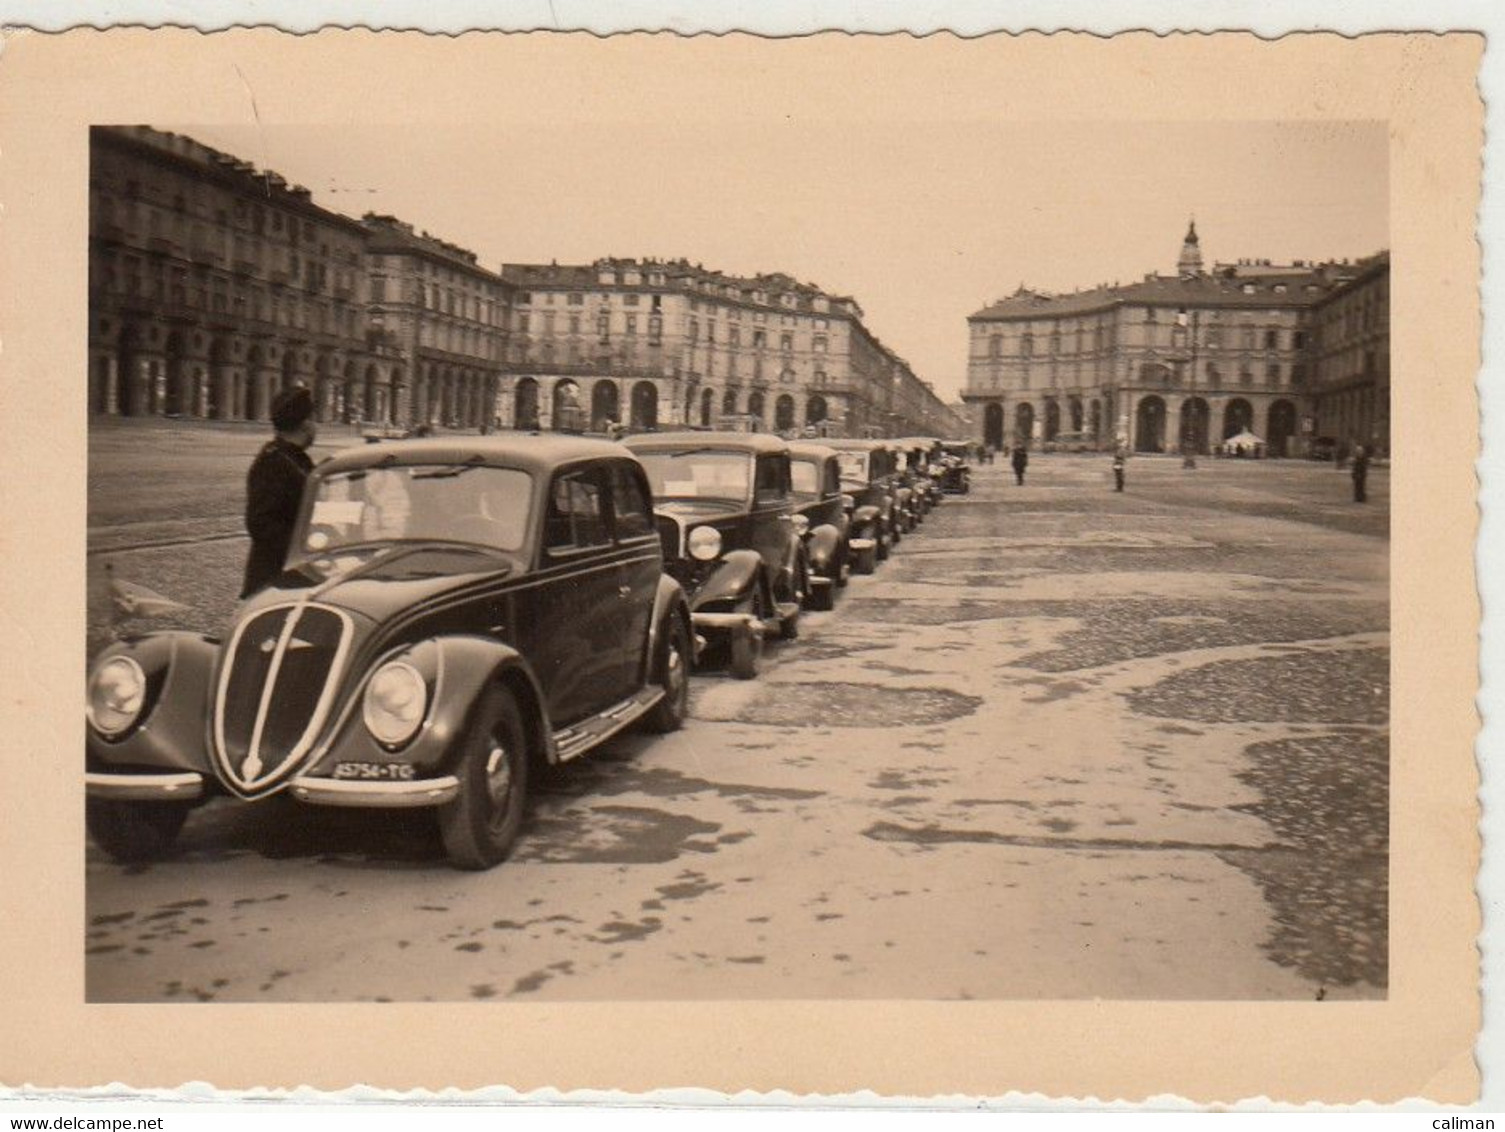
(275, 692)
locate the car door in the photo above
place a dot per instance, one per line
(639, 565)
(570, 622)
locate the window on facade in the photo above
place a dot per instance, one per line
(1149, 314)
(995, 345)
(692, 330)
(630, 300)
(603, 326)
(655, 328)
(819, 343)
(632, 324)
(734, 336)
(378, 289)
(1212, 373)
(574, 324)
(1244, 376)
(576, 300)
(1298, 374)
(1272, 339)
(1027, 344)
(786, 342)
(1298, 340)
(1055, 343)
(710, 332)
(1272, 373)
(1248, 338)
(760, 339)
(1214, 336)
(522, 322)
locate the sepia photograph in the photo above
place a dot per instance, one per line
(613, 530)
(743, 610)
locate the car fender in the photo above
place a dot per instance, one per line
(173, 731)
(456, 669)
(668, 601)
(824, 542)
(864, 515)
(736, 573)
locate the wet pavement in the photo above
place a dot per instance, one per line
(1065, 744)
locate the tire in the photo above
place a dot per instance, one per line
(867, 561)
(844, 567)
(484, 819)
(747, 648)
(133, 832)
(674, 677)
(823, 598)
(789, 627)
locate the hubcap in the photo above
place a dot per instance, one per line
(498, 776)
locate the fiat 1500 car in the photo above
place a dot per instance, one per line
(866, 475)
(822, 517)
(727, 523)
(453, 614)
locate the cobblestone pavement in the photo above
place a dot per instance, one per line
(1065, 744)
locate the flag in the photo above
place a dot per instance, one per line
(127, 599)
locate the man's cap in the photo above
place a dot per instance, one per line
(291, 408)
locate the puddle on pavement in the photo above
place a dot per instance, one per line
(622, 835)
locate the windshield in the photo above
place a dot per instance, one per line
(853, 467)
(468, 503)
(703, 473)
(805, 477)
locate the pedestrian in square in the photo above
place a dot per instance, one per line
(1021, 461)
(1360, 472)
(274, 487)
(1120, 461)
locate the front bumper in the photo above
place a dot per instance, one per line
(726, 622)
(376, 795)
(863, 543)
(175, 786)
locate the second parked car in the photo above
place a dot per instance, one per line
(726, 519)
(822, 517)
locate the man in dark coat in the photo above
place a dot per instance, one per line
(1021, 461)
(1360, 473)
(274, 487)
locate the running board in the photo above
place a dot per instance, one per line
(574, 741)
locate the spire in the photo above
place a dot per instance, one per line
(1190, 263)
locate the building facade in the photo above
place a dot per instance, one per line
(445, 316)
(212, 287)
(1168, 364)
(666, 343)
(1350, 351)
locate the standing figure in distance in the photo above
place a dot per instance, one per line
(1021, 461)
(1120, 460)
(1360, 473)
(274, 487)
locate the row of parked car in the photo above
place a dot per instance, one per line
(456, 613)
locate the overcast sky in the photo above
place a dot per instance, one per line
(922, 225)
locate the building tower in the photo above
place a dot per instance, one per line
(1190, 263)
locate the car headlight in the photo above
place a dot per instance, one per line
(801, 525)
(705, 543)
(117, 693)
(396, 697)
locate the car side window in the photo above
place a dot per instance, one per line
(576, 518)
(772, 483)
(833, 477)
(630, 502)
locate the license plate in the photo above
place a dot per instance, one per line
(368, 772)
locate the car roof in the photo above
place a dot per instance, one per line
(527, 451)
(737, 441)
(855, 444)
(802, 451)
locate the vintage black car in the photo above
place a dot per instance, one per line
(867, 468)
(726, 520)
(822, 517)
(955, 471)
(453, 613)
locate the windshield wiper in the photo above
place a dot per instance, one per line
(452, 470)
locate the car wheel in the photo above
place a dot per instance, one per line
(867, 561)
(747, 647)
(823, 598)
(674, 678)
(135, 831)
(789, 627)
(481, 823)
(844, 567)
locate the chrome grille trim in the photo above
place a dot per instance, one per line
(254, 782)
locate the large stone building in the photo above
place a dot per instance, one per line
(213, 285)
(650, 343)
(1350, 352)
(445, 315)
(1178, 363)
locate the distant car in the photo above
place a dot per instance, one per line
(1324, 448)
(453, 613)
(822, 517)
(726, 521)
(955, 471)
(866, 475)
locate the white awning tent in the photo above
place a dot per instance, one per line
(1244, 443)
